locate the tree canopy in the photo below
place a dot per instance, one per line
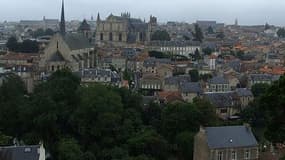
(198, 33)
(97, 122)
(160, 35)
(27, 46)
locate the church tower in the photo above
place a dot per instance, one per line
(62, 20)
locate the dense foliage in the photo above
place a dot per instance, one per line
(198, 33)
(96, 122)
(27, 46)
(160, 35)
(268, 110)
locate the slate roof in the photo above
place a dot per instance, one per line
(84, 26)
(191, 87)
(177, 80)
(56, 57)
(76, 41)
(152, 62)
(244, 92)
(20, 153)
(230, 137)
(98, 72)
(218, 80)
(261, 77)
(221, 100)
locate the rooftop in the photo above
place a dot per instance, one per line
(230, 137)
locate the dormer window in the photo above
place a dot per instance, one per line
(27, 150)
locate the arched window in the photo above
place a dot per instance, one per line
(120, 37)
(111, 36)
(101, 36)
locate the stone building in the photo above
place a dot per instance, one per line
(122, 30)
(67, 50)
(225, 143)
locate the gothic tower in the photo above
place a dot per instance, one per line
(62, 20)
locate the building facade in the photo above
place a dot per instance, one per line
(225, 143)
(122, 30)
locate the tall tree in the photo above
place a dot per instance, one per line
(198, 33)
(194, 74)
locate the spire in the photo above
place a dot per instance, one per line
(62, 20)
(98, 17)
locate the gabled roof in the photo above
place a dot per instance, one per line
(191, 87)
(244, 92)
(76, 41)
(20, 153)
(221, 100)
(56, 57)
(218, 80)
(230, 137)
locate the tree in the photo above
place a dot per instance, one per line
(198, 34)
(160, 35)
(49, 32)
(267, 26)
(207, 51)
(5, 140)
(197, 54)
(12, 44)
(185, 145)
(281, 33)
(210, 30)
(12, 101)
(180, 117)
(207, 111)
(259, 89)
(69, 149)
(29, 46)
(220, 35)
(148, 142)
(194, 74)
(272, 103)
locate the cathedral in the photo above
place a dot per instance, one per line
(68, 50)
(122, 30)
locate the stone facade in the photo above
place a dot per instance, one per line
(243, 148)
(121, 30)
(71, 51)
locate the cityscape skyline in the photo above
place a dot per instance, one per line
(247, 12)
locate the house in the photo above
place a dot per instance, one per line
(165, 70)
(150, 65)
(33, 152)
(165, 97)
(262, 78)
(182, 48)
(151, 82)
(98, 75)
(226, 103)
(245, 96)
(173, 83)
(190, 90)
(225, 143)
(218, 84)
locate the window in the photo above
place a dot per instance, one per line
(111, 36)
(28, 150)
(120, 37)
(234, 155)
(220, 155)
(247, 154)
(101, 37)
(224, 110)
(52, 68)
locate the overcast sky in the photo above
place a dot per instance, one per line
(247, 11)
